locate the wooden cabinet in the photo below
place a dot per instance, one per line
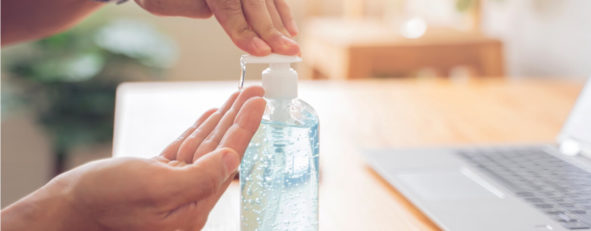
(336, 48)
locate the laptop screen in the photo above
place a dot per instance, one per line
(578, 124)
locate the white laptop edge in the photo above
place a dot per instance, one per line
(572, 143)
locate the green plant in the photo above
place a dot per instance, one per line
(69, 80)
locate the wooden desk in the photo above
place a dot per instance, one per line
(338, 49)
(356, 115)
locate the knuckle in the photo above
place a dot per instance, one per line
(208, 140)
(230, 6)
(207, 145)
(242, 33)
(217, 114)
(254, 4)
(226, 149)
(244, 30)
(269, 30)
(233, 110)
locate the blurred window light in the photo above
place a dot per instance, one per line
(83, 67)
(413, 28)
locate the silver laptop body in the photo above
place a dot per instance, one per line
(509, 187)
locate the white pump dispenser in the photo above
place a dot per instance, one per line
(280, 81)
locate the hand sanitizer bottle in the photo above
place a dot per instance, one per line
(279, 171)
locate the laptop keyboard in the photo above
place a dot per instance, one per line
(556, 187)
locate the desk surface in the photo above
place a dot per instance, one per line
(356, 115)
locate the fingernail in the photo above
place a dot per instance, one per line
(288, 46)
(260, 46)
(294, 27)
(287, 42)
(231, 160)
(286, 32)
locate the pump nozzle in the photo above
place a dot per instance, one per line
(279, 79)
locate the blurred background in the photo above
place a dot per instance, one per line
(58, 93)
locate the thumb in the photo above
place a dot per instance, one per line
(206, 176)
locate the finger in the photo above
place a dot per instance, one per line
(213, 139)
(190, 144)
(171, 150)
(229, 14)
(161, 159)
(245, 125)
(276, 18)
(238, 136)
(286, 17)
(195, 182)
(257, 16)
(176, 163)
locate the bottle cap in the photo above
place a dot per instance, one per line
(280, 81)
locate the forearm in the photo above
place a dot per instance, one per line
(32, 19)
(46, 209)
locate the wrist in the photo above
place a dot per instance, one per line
(49, 208)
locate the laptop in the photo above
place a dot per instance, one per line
(509, 187)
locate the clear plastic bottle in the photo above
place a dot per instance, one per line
(279, 171)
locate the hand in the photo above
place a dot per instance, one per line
(173, 191)
(184, 8)
(258, 27)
